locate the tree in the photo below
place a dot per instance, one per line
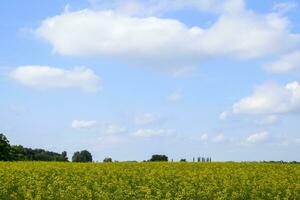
(86, 156)
(107, 159)
(4, 148)
(64, 156)
(82, 156)
(159, 158)
(76, 157)
(183, 160)
(17, 153)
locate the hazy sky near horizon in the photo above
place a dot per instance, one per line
(132, 78)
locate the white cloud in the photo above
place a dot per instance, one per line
(43, 77)
(175, 96)
(286, 63)
(258, 137)
(284, 7)
(146, 119)
(159, 7)
(153, 133)
(170, 43)
(270, 99)
(83, 124)
(112, 129)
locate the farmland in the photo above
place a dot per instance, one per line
(149, 180)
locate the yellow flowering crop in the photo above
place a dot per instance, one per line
(48, 180)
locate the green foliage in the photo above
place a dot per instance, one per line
(82, 156)
(158, 158)
(19, 153)
(107, 159)
(4, 148)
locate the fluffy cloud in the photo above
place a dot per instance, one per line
(269, 99)
(83, 124)
(286, 63)
(153, 133)
(169, 44)
(258, 137)
(44, 77)
(146, 119)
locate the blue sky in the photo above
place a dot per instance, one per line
(128, 79)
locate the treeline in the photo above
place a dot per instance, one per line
(19, 153)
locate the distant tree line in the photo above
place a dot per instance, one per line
(203, 159)
(19, 153)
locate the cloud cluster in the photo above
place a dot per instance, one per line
(168, 43)
(268, 100)
(44, 77)
(257, 138)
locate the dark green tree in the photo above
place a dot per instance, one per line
(64, 156)
(86, 156)
(159, 158)
(76, 157)
(17, 153)
(82, 156)
(107, 159)
(4, 148)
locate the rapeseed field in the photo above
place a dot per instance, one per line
(161, 180)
